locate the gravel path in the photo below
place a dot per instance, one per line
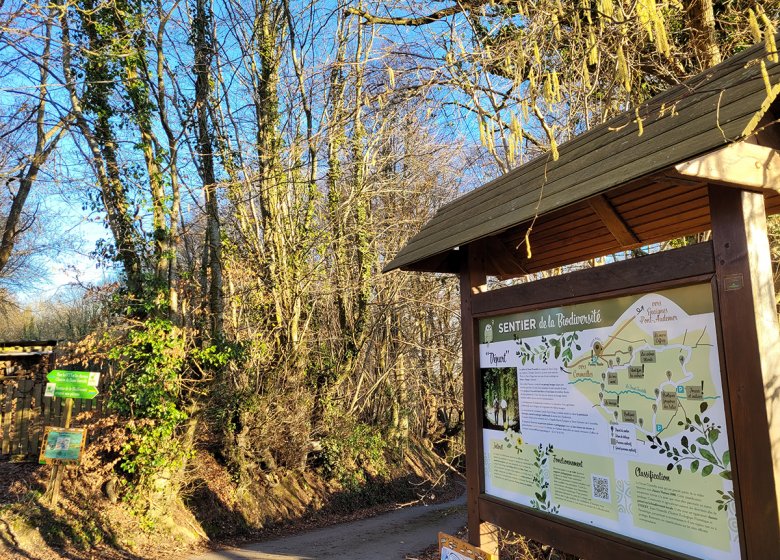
(390, 536)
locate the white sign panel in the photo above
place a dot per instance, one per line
(611, 413)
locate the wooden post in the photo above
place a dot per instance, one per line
(751, 354)
(472, 281)
(8, 403)
(35, 439)
(58, 469)
(26, 388)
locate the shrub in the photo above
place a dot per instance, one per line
(348, 457)
(154, 361)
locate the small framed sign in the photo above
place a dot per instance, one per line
(451, 548)
(62, 444)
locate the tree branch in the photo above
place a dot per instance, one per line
(410, 21)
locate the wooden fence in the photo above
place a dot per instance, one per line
(25, 412)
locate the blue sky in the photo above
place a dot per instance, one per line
(71, 180)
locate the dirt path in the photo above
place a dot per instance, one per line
(390, 536)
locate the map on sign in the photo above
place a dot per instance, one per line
(638, 375)
(611, 413)
(72, 384)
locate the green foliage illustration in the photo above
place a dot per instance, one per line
(701, 454)
(559, 347)
(541, 500)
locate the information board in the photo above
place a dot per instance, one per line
(63, 444)
(611, 413)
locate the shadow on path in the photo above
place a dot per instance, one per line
(388, 536)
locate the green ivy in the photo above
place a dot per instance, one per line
(153, 360)
(347, 456)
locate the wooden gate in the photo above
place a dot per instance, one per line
(24, 412)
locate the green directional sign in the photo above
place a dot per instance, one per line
(70, 391)
(72, 384)
(74, 377)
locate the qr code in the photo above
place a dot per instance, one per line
(600, 487)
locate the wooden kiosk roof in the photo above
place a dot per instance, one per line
(617, 187)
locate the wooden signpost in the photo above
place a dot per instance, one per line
(629, 410)
(61, 446)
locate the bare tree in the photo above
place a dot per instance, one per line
(22, 172)
(212, 252)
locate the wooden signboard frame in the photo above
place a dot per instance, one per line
(737, 264)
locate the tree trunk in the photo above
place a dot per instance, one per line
(102, 146)
(704, 39)
(213, 251)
